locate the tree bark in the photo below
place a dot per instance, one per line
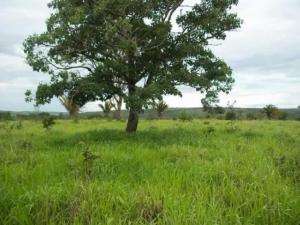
(132, 122)
(133, 118)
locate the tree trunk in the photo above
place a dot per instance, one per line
(133, 118)
(132, 122)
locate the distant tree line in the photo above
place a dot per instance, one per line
(160, 110)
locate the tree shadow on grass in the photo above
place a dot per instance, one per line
(151, 137)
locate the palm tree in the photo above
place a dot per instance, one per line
(160, 107)
(106, 107)
(117, 105)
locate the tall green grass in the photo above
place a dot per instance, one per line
(170, 172)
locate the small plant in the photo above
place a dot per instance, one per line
(19, 125)
(88, 162)
(48, 122)
(206, 122)
(185, 117)
(251, 116)
(149, 209)
(282, 115)
(210, 130)
(5, 116)
(25, 144)
(16, 125)
(231, 127)
(231, 113)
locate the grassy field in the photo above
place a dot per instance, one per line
(170, 172)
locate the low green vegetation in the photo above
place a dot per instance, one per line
(169, 172)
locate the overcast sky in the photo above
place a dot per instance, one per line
(264, 54)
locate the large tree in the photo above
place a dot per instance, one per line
(145, 46)
(271, 111)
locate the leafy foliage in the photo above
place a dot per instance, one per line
(185, 116)
(88, 162)
(282, 115)
(5, 116)
(48, 122)
(231, 113)
(271, 111)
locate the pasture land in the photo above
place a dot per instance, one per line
(169, 172)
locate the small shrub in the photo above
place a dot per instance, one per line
(16, 125)
(282, 115)
(231, 127)
(5, 116)
(209, 131)
(19, 125)
(149, 209)
(184, 116)
(48, 122)
(231, 115)
(88, 162)
(206, 122)
(251, 116)
(25, 144)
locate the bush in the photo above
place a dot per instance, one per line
(184, 116)
(5, 116)
(251, 116)
(231, 115)
(48, 122)
(208, 131)
(271, 112)
(17, 125)
(231, 127)
(282, 115)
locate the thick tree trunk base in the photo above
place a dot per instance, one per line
(132, 122)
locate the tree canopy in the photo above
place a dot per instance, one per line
(101, 46)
